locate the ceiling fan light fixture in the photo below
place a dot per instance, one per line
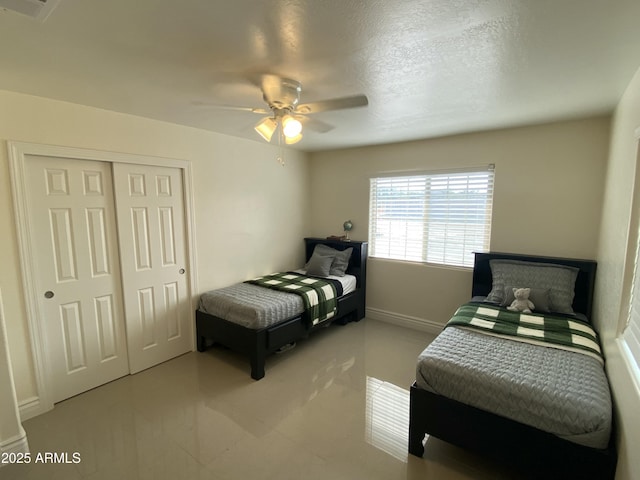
(291, 127)
(266, 127)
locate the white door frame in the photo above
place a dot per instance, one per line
(40, 349)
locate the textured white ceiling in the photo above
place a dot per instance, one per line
(429, 68)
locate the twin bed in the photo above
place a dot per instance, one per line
(256, 320)
(544, 409)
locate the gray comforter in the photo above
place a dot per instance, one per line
(561, 392)
(250, 305)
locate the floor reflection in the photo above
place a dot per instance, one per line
(387, 417)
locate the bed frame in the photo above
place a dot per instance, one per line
(258, 344)
(536, 453)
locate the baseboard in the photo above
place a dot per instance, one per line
(415, 323)
(31, 407)
(16, 444)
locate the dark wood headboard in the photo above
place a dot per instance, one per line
(583, 299)
(358, 261)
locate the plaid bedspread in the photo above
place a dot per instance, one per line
(320, 297)
(549, 330)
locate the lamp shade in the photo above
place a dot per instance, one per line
(266, 127)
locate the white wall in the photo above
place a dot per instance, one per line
(547, 201)
(614, 249)
(12, 436)
(250, 212)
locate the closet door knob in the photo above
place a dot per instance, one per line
(48, 294)
(181, 271)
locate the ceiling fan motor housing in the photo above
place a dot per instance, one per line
(283, 94)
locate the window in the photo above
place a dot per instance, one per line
(631, 334)
(629, 338)
(439, 217)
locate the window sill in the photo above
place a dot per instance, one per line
(629, 362)
(422, 264)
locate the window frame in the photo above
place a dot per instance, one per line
(628, 335)
(459, 199)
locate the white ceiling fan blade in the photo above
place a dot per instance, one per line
(261, 111)
(314, 124)
(333, 104)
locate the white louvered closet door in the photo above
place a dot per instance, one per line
(150, 215)
(77, 283)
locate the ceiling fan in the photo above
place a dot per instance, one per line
(282, 96)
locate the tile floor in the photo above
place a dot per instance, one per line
(335, 407)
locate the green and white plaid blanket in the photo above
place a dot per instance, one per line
(319, 296)
(548, 330)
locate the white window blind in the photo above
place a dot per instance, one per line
(631, 334)
(440, 217)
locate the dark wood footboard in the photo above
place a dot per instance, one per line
(537, 454)
(251, 343)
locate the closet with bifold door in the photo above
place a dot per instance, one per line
(108, 265)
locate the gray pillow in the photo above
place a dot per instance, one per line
(560, 280)
(340, 258)
(319, 265)
(341, 262)
(539, 297)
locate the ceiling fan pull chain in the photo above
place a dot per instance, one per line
(280, 157)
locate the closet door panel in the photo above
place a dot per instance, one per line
(73, 238)
(150, 208)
